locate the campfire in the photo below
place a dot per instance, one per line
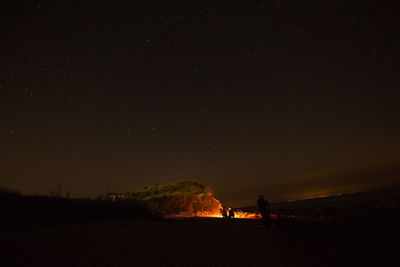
(204, 214)
(184, 198)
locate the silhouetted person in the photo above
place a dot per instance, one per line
(223, 212)
(231, 213)
(263, 206)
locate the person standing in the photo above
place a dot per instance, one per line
(223, 212)
(231, 214)
(264, 208)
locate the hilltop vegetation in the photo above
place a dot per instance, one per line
(176, 187)
(181, 196)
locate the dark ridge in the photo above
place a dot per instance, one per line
(361, 206)
(20, 211)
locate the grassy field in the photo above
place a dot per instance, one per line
(200, 242)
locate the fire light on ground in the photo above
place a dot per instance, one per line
(202, 214)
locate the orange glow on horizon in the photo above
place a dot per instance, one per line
(202, 214)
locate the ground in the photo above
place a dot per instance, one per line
(198, 242)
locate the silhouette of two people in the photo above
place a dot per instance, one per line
(265, 210)
(229, 214)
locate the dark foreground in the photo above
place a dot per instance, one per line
(200, 242)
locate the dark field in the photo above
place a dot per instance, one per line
(353, 230)
(201, 242)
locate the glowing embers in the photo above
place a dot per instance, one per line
(202, 214)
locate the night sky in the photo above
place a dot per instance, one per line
(290, 99)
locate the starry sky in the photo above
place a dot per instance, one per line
(290, 99)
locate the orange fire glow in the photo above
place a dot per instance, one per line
(202, 214)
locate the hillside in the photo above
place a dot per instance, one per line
(373, 205)
(181, 196)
